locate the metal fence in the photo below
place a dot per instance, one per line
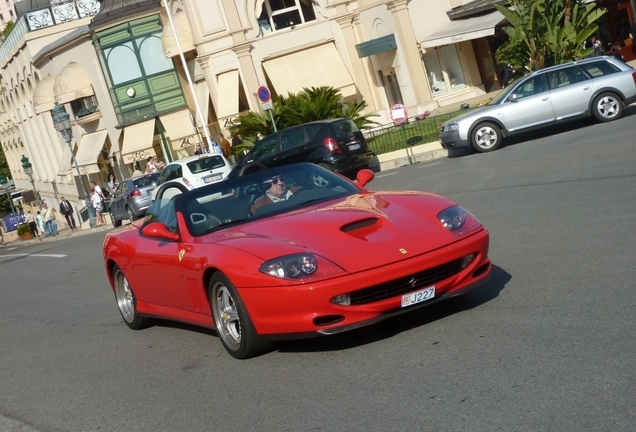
(390, 137)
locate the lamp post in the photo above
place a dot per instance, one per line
(4, 184)
(28, 169)
(62, 122)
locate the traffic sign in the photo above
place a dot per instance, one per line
(267, 105)
(263, 94)
(399, 114)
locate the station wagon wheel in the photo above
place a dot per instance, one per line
(115, 222)
(486, 137)
(607, 107)
(131, 216)
(233, 323)
(127, 302)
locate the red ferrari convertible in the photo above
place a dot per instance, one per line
(291, 252)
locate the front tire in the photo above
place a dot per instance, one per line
(127, 302)
(607, 107)
(233, 323)
(486, 137)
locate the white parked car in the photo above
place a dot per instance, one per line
(194, 172)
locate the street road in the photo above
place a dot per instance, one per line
(548, 345)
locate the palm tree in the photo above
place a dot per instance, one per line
(310, 104)
(547, 32)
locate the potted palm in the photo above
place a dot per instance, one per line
(24, 232)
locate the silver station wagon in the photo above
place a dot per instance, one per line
(596, 87)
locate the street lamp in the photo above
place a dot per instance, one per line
(4, 184)
(62, 123)
(28, 169)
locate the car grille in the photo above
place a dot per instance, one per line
(406, 284)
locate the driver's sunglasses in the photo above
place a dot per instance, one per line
(275, 180)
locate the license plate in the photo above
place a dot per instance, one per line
(150, 191)
(354, 146)
(418, 296)
(213, 178)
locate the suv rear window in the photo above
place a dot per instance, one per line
(146, 180)
(344, 128)
(600, 68)
(205, 164)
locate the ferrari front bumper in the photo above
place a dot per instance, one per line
(300, 311)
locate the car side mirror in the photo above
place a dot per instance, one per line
(160, 231)
(513, 97)
(364, 176)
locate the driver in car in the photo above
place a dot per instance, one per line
(277, 192)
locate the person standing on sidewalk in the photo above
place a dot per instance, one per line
(49, 219)
(40, 220)
(67, 210)
(30, 219)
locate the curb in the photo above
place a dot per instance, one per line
(62, 234)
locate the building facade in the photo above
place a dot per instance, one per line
(140, 80)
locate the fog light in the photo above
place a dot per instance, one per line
(342, 299)
(467, 260)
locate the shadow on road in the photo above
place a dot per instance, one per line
(384, 329)
(399, 324)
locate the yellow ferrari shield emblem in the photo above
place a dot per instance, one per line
(181, 254)
(403, 251)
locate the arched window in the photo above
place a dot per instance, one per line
(151, 52)
(122, 63)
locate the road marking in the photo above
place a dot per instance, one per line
(429, 165)
(387, 174)
(34, 255)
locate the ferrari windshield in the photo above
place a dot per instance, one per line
(259, 195)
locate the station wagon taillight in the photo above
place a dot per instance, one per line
(634, 77)
(134, 193)
(332, 145)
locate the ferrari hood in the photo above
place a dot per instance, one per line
(359, 232)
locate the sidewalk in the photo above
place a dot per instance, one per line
(63, 233)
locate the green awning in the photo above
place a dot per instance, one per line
(376, 46)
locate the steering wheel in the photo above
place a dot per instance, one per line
(319, 180)
(250, 168)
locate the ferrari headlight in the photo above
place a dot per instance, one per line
(300, 267)
(458, 221)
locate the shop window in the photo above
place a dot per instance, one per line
(444, 70)
(281, 14)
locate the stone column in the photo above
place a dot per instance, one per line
(359, 75)
(249, 75)
(410, 51)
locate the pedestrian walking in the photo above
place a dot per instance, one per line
(67, 210)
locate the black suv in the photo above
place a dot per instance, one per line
(335, 144)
